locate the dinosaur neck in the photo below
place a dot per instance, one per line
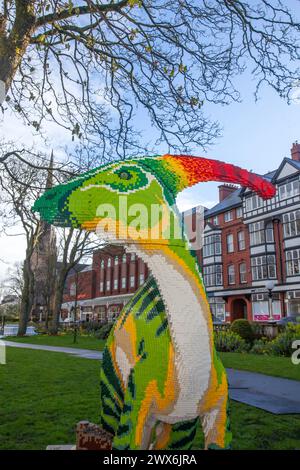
(179, 283)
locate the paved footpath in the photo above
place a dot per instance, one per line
(85, 353)
(273, 394)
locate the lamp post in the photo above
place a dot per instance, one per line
(270, 286)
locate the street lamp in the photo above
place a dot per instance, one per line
(270, 286)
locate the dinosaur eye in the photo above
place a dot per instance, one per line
(125, 175)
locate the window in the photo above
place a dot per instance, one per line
(116, 260)
(260, 306)
(142, 278)
(213, 275)
(228, 216)
(231, 274)
(107, 285)
(229, 241)
(109, 262)
(241, 240)
(100, 314)
(123, 282)
(259, 233)
(292, 262)
(112, 313)
(243, 273)
(101, 286)
(132, 281)
(124, 258)
(102, 263)
(263, 267)
(217, 307)
(291, 224)
(212, 245)
(253, 203)
(239, 212)
(289, 190)
(216, 220)
(132, 257)
(269, 233)
(116, 284)
(73, 289)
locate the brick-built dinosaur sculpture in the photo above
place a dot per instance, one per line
(160, 371)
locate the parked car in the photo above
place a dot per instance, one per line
(290, 319)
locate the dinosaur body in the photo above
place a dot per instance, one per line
(150, 348)
(160, 371)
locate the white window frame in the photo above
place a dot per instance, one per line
(291, 224)
(292, 262)
(241, 240)
(213, 275)
(288, 190)
(228, 216)
(231, 274)
(230, 243)
(263, 267)
(239, 212)
(212, 245)
(243, 273)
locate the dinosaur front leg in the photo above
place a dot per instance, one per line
(214, 411)
(179, 436)
(136, 422)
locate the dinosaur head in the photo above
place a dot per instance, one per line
(133, 200)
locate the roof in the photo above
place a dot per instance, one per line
(233, 200)
(77, 268)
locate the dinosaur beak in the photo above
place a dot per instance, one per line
(182, 171)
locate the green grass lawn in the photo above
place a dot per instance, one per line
(270, 365)
(63, 340)
(43, 395)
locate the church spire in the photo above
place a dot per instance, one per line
(49, 182)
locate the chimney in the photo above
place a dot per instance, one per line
(295, 151)
(225, 190)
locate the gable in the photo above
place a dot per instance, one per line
(286, 171)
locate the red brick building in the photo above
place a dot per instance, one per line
(100, 290)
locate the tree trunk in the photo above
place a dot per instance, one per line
(14, 45)
(57, 301)
(27, 297)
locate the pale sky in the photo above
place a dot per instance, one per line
(256, 135)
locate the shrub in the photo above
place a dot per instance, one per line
(282, 344)
(261, 346)
(257, 330)
(92, 327)
(243, 328)
(228, 341)
(104, 331)
(293, 328)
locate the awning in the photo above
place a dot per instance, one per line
(107, 300)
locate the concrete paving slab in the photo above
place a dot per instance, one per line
(274, 394)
